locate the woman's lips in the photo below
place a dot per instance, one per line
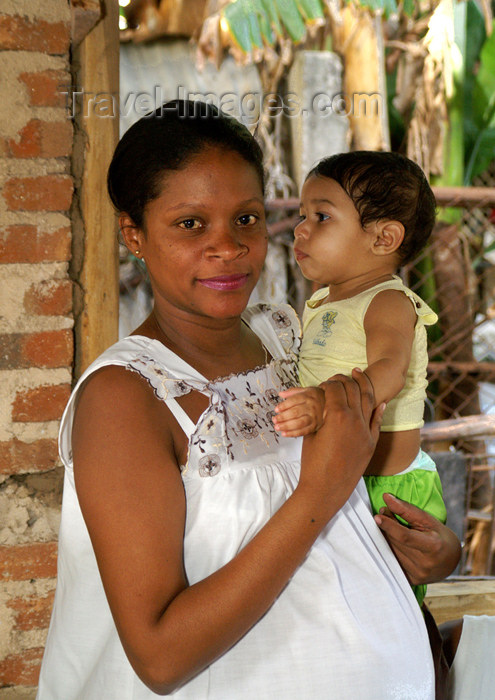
(225, 283)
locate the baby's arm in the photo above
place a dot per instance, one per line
(301, 412)
(389, 326)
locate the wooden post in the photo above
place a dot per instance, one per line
(95, 252)
(465, 427)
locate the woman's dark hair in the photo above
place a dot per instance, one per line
(385, 185)
(166, 139)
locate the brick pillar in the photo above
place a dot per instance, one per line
(36, 342)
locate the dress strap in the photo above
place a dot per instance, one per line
(277, 326)
(181, 417)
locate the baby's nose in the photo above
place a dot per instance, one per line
(301, 231)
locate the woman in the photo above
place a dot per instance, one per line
(234, 567)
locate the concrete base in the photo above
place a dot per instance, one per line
(317, 129)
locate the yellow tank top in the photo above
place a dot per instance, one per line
(334, 342)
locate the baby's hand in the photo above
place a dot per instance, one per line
(301, 412)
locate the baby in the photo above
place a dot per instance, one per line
(364, 215)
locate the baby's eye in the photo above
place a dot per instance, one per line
(321, 216)
(247, 220)
(300, 218)
(190, 224)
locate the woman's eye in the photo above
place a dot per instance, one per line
(247, 219)
(190, 224)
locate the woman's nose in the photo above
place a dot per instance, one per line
(227, 243)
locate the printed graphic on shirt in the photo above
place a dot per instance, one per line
(327, 321)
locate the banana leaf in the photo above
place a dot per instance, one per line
(480, 117)
(253, 23)
(310, 9)
(271, 14)
(243, 24)
(292, 18)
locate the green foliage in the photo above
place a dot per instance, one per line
(397, 126)
(253, 23)
(243, 23)
(476, 34)
(479, 88)
(472, 110)
(257, 23)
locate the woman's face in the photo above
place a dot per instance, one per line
(205, 240)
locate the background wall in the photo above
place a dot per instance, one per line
(36, 343)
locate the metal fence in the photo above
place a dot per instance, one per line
(455, 275)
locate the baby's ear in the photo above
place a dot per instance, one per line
(388, 237)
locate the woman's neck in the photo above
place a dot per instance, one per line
(214, 347)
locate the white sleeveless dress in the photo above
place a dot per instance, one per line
(346, 626)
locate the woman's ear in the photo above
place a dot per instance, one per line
(131, 234)
(388, 237)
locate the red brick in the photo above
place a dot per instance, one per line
(18, 457)
(21, 669)
(42, 139)
(49, 298)
(55, 139)
(28, 143)
(26, 562)
(45, 193)
(33, 612)
(40, 404)
(47, 349)
(45, 88)
(19, 33)
(25, 243)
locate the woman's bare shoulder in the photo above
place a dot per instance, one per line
(112, 382)
(113, 396)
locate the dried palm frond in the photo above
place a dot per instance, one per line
(426, 134)
(151, 19)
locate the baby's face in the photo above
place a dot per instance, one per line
(331, 246)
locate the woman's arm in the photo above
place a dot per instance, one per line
(427, 550)
(133, 502)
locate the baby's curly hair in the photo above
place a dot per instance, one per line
(385, 185)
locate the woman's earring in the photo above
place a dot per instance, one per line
(136, 253)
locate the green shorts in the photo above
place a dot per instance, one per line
(420, 485)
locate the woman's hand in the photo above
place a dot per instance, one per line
(335, 457)
(427, 550)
